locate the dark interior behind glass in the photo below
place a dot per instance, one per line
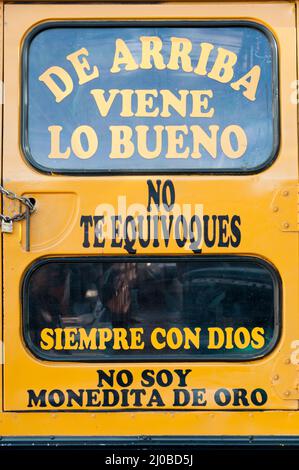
(158, 297)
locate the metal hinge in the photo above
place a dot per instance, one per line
(285, 378)
(285, 208)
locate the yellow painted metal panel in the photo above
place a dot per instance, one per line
(1, 115)
(230, 423)
(138, 1)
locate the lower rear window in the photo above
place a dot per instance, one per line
(208, 308)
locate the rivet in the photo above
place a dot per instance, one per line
(276, 377)
(275, 209)
(286, 225)
(287, 393)
(285, 193)
(287, 361)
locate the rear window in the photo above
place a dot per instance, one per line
(148, 309)
(163, 97)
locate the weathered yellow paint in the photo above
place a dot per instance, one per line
(104, 424)
(252, 197)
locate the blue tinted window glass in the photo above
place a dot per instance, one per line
(150, 98)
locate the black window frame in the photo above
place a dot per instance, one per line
(139, 23)
(277, 290)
